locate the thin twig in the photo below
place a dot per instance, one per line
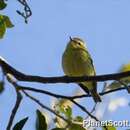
(113, 90)
(125, 85)
(84, 109)
(13, 81)
(27, 11)
(93, 109)
(68, 97)
(58, 96)
(61, 96)
(16, 106)
(50, 93)
(44, 107)
(19, 98)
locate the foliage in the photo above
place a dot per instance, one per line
(2, 4)
(109, 128)
(122, 81)
(5, 21)
(41, 121)
(1, 86)
(20, 124)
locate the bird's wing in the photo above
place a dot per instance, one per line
(84, 88)
(91, 62)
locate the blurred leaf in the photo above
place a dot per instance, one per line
(1, 86)
(125, 80)
(110, 128)
(4, 23)
(2, 4)
(65, 109)
(68, 112)
(2, 26)
(76, 127)
(20, 124)
(8, 23)
(125, 68)
(58, 129)
(41, 121)
(60, 123)
(113, 85)
(62, 107)
(65, 103)
(78, 118)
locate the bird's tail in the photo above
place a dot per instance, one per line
(93, 92)
(96, 96)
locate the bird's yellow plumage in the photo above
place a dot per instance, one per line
(76, 61)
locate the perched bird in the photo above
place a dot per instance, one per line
(76, 61)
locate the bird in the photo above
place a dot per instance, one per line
(76, 61)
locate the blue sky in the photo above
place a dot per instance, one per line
(36, 48)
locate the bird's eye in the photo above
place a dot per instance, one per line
(79, 43)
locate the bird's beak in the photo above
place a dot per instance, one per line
(71, 39)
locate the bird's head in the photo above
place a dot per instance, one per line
(76, 43)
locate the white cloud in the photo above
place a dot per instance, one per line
(118, 102)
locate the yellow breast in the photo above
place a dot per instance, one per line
(77, 63)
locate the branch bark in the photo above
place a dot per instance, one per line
(59, 79)
(68, 97)
(16, 106)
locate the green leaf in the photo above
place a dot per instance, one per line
(2, 4)
(7, 21)
(2, 26)
(1, 86)
(4, 23)
(114, 85)
(58, 129)
(125, 68)
(41, 121)
(68, 112)
(109, 128)
(76, 127)
(20, 124)
(126, 80)
(78, 118)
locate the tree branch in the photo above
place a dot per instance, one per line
(27, 11)
(71, 98)
(18, 87)
(68, 97)
(15, 109)
(13, 81)
(44, 107)
(61, 79)
(125, 85)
